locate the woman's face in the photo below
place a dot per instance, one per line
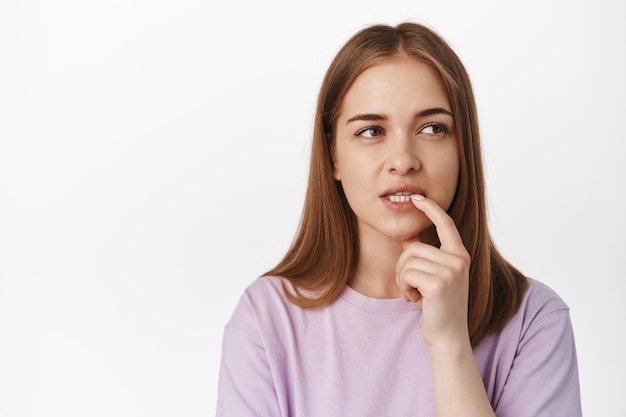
(395, 137)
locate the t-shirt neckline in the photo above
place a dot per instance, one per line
(377, 305)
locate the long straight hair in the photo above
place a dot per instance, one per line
(324, 253)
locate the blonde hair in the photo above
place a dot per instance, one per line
(324, 253)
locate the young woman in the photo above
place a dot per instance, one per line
(392, 300)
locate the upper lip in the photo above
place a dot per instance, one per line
(403, 188)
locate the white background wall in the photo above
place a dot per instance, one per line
(153, 157)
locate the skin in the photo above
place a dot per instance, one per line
(404, 144)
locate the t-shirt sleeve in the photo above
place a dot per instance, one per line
(544, 378)
(245, 386)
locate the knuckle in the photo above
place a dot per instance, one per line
(448, 222)
(459, 264)
(412, 246)
(438, 287)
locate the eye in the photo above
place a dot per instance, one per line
(370, 132)
(436, 129)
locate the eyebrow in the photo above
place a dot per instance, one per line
(376, 117)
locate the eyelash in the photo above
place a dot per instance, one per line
(360, 132)
(445, 130)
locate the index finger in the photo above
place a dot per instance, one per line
(444, 224)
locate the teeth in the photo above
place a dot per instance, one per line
(400, 198)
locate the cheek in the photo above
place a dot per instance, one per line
(347, 164)
(452, 168)
(356, 181)
(353, 179)
(447, 178)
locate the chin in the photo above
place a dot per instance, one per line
(407, 233)
(396, 231)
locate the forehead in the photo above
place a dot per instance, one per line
(402, 84)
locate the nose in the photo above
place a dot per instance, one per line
(402, 157)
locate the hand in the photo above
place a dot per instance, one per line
(437, 276)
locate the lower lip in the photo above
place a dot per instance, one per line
(400, 207)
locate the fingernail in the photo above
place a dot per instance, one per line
(417, 197)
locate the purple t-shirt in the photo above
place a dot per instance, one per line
(362, 356)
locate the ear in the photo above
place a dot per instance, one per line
(333, 159)
(336, 174)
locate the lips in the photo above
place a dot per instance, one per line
(401, 193)
(398, 198)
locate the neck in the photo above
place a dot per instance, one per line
(375, 273)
